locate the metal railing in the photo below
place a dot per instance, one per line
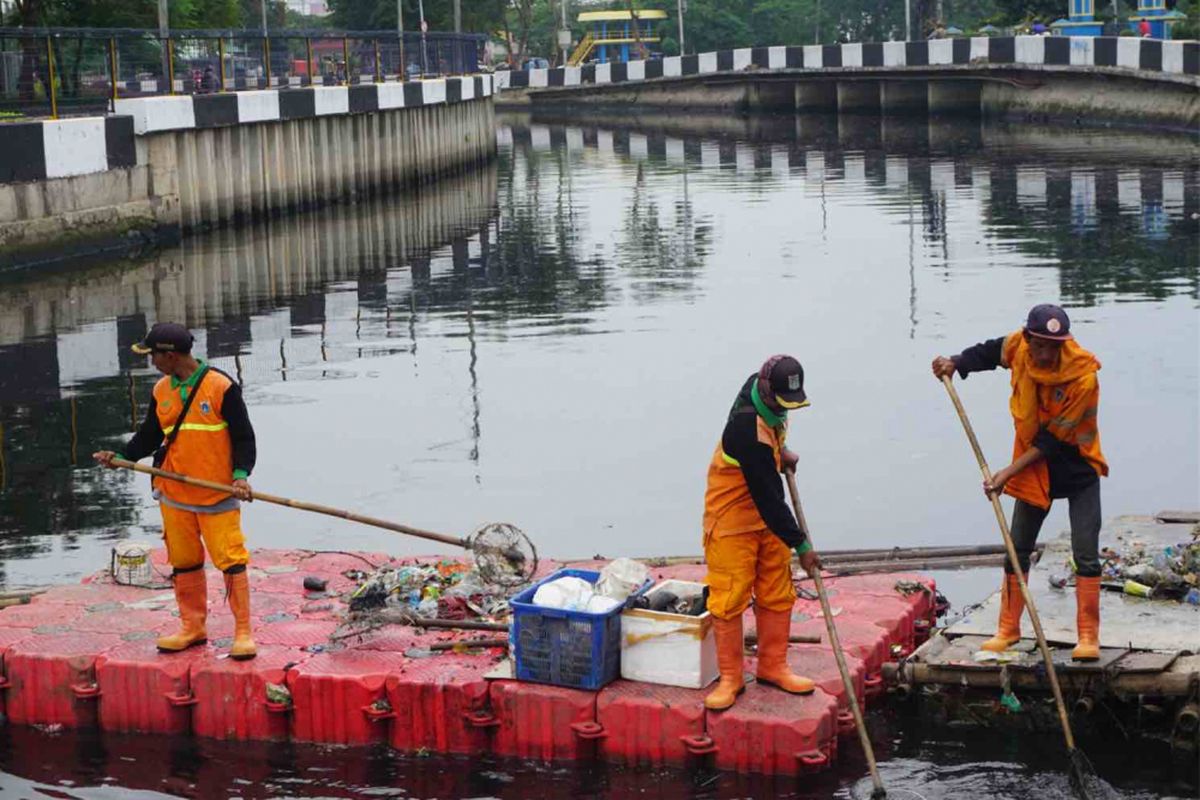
(64, 71)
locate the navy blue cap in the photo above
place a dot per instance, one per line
(1048, 321)
(165, 337)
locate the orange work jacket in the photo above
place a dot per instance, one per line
(728, 507)
(1065, 401)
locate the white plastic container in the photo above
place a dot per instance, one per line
(669, 649)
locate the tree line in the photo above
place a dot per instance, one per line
(530, 26)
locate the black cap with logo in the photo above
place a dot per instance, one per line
(165, 337)
(785, 376)
(1048, 321)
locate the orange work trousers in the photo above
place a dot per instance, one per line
(741, 565)
(188, 533)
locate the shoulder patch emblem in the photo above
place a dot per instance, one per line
(1059, 394)
(205, 408)
(164, 406)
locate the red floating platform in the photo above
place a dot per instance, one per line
(84, 656)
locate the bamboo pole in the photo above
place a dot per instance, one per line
(391, 616)
(50, 69)
(1002, 521)
(170, 65)
(466, 643)
(297, 504)
(880, 555)
(835, 642)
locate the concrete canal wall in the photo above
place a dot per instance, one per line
(1098, 80)
(164, 166)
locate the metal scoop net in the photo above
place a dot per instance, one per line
(504, 555)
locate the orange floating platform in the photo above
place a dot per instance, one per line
(83, 656)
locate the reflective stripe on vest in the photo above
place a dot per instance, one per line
(197, 426)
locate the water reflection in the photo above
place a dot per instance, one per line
(431, 358)
(916, 760)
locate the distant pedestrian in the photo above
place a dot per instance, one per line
(208, 82)
(1144, 28)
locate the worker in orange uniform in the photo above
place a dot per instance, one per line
(213, 441)
(750, 533)
(1056, 454)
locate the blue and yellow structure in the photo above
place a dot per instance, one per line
(614, 35)
(1081, 19)
(1158, 15)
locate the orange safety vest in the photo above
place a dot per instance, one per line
(728, 507)
(1065, 401)
(202, 448)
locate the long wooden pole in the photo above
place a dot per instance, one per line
(298, 504)
(1016, 565)
(943, 557)
(402, 618)
(836, 644)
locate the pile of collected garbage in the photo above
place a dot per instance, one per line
(619, 579)
(447, 590)
(1159, 573)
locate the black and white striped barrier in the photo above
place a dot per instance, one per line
(1146, 55)
(62, 148)
(167, 113)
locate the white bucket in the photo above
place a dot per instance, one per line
(131, 564)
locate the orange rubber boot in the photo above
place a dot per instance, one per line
(237, 592)
(191, 595)
(1087, 618)
(730, 651)
(1012, 606)
(774, 627)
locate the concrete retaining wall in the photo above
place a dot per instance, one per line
(1096, 97)
(245, 172)
(891, 76)
(169, 165)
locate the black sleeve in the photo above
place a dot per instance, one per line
(147, 439)
(740, 441)
(241, 432)
(982, 357)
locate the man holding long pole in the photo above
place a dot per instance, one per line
(750, 534)
(197, 425)
(1056, 454)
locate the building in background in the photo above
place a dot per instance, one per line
(309, 8)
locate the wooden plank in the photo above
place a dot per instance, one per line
(1146, 662)
(1187, 517)
(960, 655)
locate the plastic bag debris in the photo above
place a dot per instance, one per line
(573, 594)
(621, 577)
(1158, 573)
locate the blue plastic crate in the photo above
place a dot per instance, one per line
(567, 648)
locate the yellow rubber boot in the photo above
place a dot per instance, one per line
(730, 652)
(774, 628)
(191, 595)
(1012, 606)
(237, 591)
(1087, 618)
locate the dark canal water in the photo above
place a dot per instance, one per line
(555, 341)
